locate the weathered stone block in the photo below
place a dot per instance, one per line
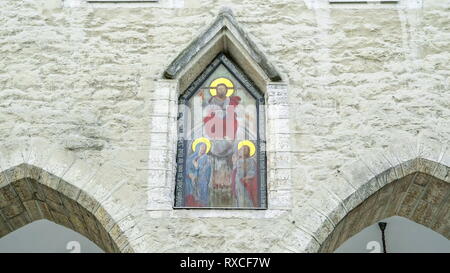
(49, 180)
(78, 224)
(87, 202)
(33, 210)
(45, 211)
(61, 219)
(68, 190)
(4, 228)
(423, 213)
(56, 206)
(71, 206)
(19, 221)
(410, 199)
(7, 194)
(51, 194)
(436, 192)
(104, 218)
(23, 189)
(13, 209)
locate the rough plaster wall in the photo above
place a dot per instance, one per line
(359, 79)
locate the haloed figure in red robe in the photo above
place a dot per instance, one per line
(244, 182)
(221, 120)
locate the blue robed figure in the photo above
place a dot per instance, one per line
(198, 170)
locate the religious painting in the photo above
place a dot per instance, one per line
(221, 159)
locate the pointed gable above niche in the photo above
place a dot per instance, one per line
(224, 35)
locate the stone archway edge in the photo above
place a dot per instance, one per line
(377, 168)
(62, 171)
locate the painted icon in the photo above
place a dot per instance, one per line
(220, 168)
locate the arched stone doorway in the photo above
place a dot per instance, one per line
(418, 196)
(29, 193)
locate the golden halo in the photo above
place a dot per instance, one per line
(249, 144)
(203, 140)
(218, 81)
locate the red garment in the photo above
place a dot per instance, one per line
(233, 182)
(251, 185)
(234, 101)
(191, 202)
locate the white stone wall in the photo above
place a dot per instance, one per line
(367, 86)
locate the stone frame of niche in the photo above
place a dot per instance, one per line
(226, 36)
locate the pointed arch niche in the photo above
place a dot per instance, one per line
(224, 42)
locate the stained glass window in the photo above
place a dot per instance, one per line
(221, 160)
